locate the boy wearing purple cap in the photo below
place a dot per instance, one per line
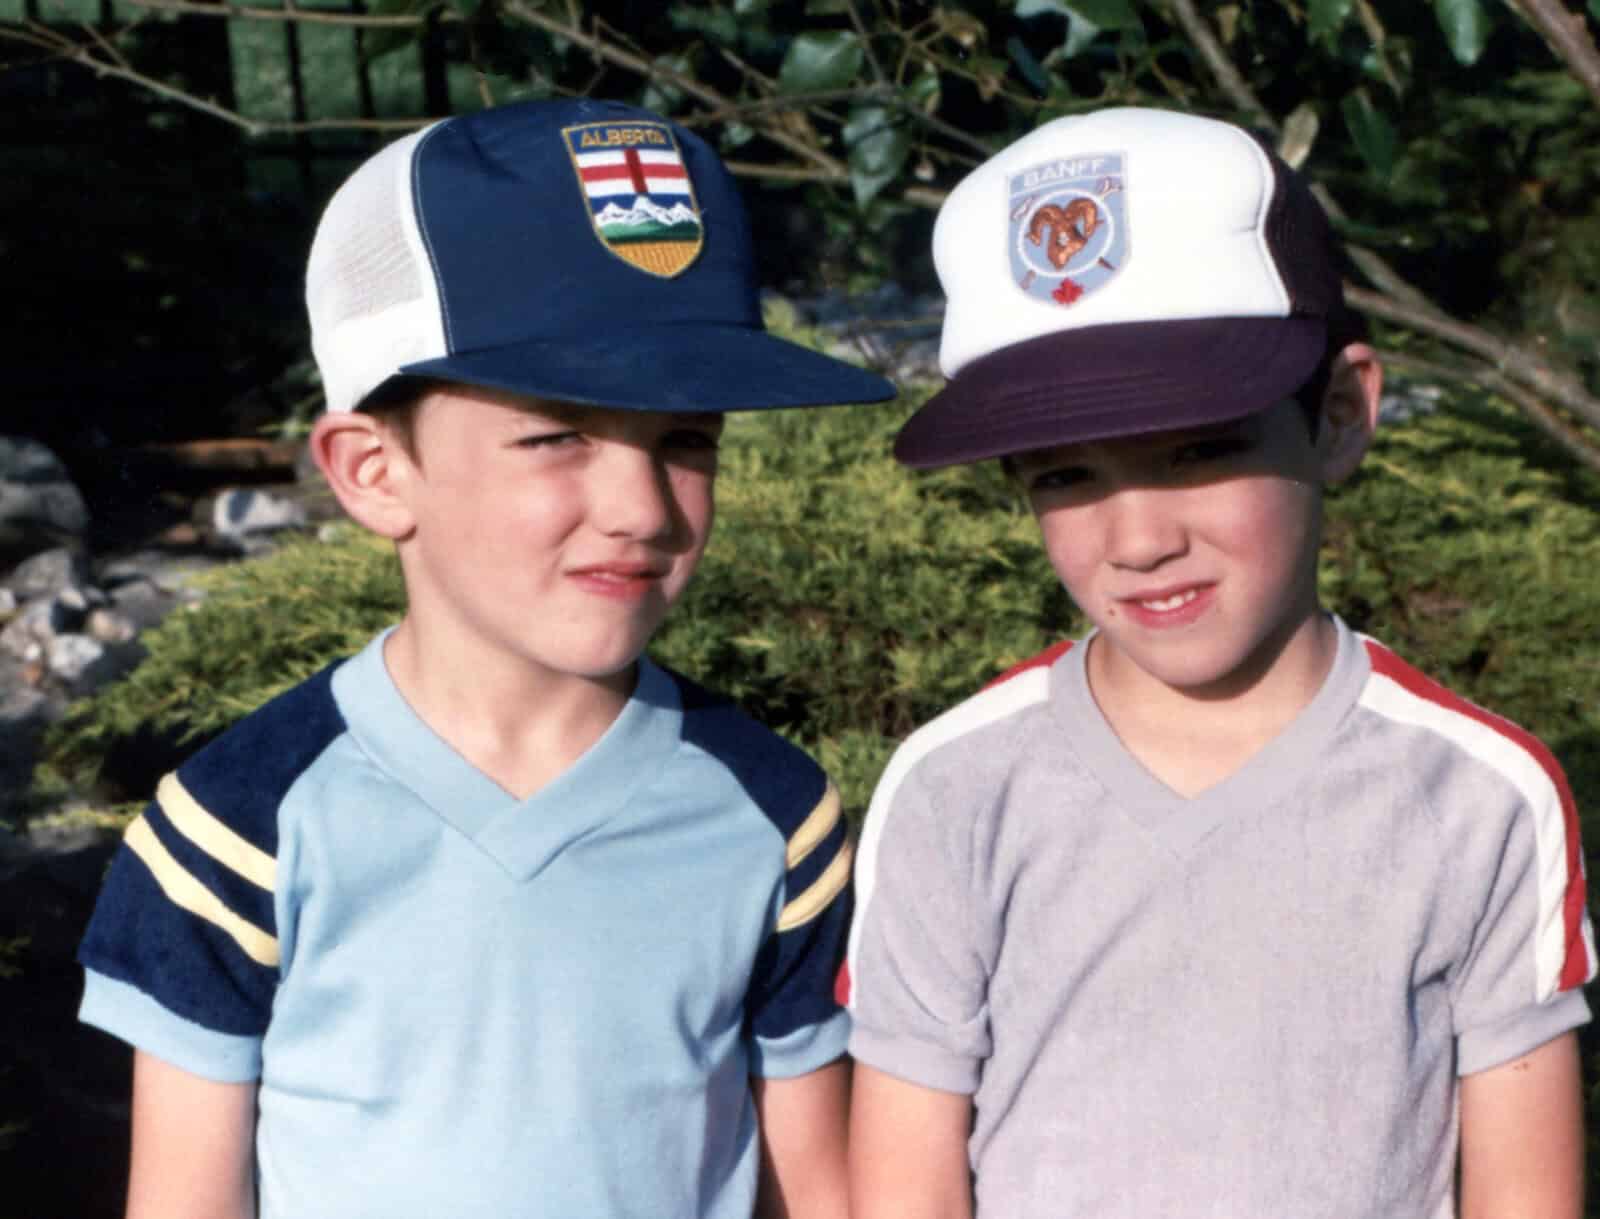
(1223, 910)
(498, 918)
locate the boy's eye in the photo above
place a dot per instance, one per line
(699, 439)
(1213, 448)
(548, 440)
(1056, 478)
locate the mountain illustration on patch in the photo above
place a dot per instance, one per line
(647, 221)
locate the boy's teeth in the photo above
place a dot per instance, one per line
(1172, 602)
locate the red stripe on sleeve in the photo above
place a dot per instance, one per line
(1043, 660)
(1575, 966)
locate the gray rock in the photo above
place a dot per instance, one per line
(1404, 400)
(240, 515)
(79, 599)
(48, 572)
(72, 658)
(25, 712)
(108, 626)
(39, 506)
(8, 604)
(25, 636)
(888, 329)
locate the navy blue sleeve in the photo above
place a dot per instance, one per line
(791, 993)
(185, 925)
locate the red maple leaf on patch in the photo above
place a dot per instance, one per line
(1066, 292)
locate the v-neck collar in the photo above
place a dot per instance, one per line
(522, 836)
(1180, 821)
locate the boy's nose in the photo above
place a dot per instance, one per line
(1142, 528)
(634, 498)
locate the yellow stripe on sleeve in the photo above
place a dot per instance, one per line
(822, 891)
(815, 827)
(214, 838)
(189, 894)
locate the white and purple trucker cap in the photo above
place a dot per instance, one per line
(579, 250)
(1122, 272)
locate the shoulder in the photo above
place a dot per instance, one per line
(777, 776)
(984, 730)
(1403, 697)
(1488, 777)
(242, 776)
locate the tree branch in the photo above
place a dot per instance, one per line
(1221, 66)
(1567, 36)
(1570, 439)
(1397, 300)
(637, 64)
(64, 48)
(1519, 363)
(299, 15)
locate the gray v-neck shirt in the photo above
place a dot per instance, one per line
(1254, 1002)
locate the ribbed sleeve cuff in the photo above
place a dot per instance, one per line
(1490, 1045)
(128, 1013)
(915, 1062)
(802, 1051)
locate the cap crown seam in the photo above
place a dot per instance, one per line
(427, 240)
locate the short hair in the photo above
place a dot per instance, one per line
(395, 403)
(1345, 326)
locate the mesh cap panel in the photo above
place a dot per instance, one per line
(370, 292)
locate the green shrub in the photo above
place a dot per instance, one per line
(845, 601)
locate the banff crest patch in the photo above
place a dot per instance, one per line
(639, 194)
(1069, 228)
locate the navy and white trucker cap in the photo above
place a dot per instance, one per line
(579, 250)
(1123, 272)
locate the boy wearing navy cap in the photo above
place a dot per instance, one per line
(1223, 910)
(499, 918)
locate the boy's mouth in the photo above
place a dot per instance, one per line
(618, 578)
(1163, 604)
(1169, 607)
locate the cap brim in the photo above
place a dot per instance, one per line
(1101, 382)
(692, 368)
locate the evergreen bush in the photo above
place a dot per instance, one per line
(844, 601)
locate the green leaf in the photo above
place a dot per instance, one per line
(1080, 33)
(1594, 9)
(661, 96)
(1103, 14)
(1299, 134)
(1466, 27)
(1032, 70)
(1086, 19)
(718, 25)
(1374, 137)
(820, 61)
(923, 93)
(735, 135)
(879, 145)
(1107, 14)
(1325, 18)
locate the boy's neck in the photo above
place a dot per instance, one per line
(522, 729)
(1194, 740)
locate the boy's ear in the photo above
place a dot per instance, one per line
(367, 467)
(1349, 411)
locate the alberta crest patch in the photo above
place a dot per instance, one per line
(638, 192)
(1069, 228)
